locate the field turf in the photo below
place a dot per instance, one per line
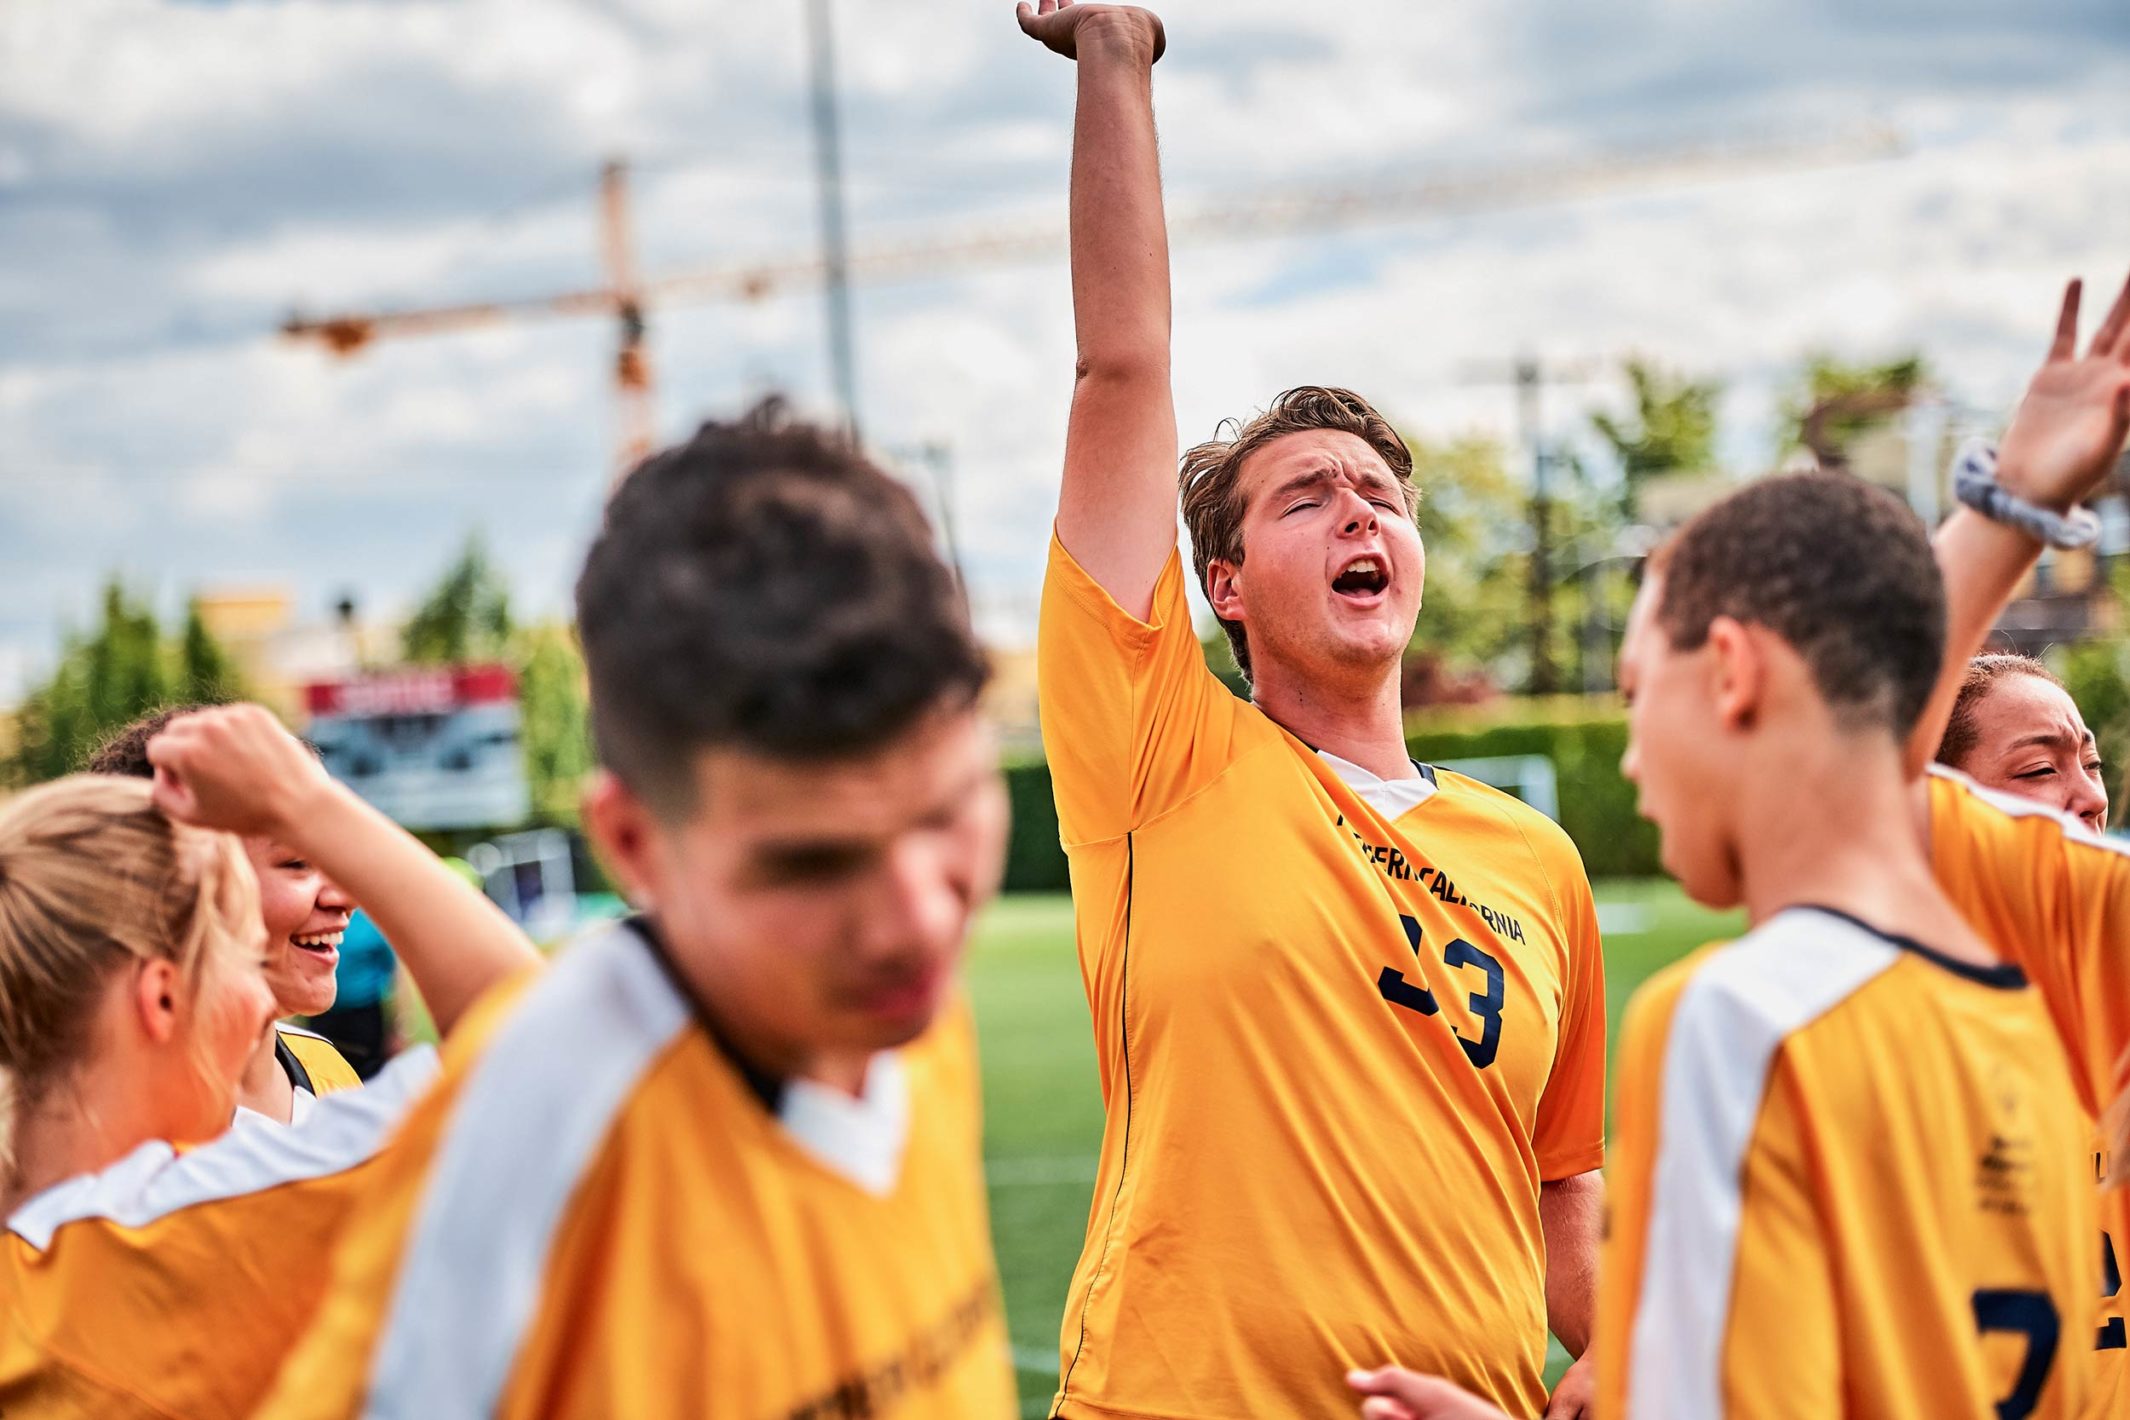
(1043, 1109)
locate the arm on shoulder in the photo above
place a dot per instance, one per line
(236, 769)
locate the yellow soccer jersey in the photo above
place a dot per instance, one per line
(598, 1215)
(2055, 898)
(172, 1285)
(318, 1065)
(1844, 1183)
(1344, 1036)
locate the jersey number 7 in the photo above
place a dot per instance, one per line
(2032, 1315)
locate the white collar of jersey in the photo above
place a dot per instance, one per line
(862, 1139)
(1392, 798)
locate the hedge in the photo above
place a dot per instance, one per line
(1584, 743)
(1596, 802)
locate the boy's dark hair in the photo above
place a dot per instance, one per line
(125, 750)
(764, 586)
(1839, 569)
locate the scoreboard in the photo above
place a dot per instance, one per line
(433, 747)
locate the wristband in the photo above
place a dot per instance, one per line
(1975, 484)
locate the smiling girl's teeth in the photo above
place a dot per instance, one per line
(318, 940)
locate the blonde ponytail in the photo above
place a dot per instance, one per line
(92, 876)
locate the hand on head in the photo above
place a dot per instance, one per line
(1395, 1393)
(233, 768)
(2070, 427)
(1062, 24)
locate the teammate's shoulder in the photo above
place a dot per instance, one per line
(1066, 581)
(1658, 995)
(256, 1156)
(328, 1069)
(1791, 970)
(1972, 806)
(487, 1015)
(572, 1035)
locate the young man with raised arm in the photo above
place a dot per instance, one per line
(1350, 1009)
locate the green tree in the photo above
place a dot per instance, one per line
(466, 617)
(1834, 402)
(1476, 528)
(1672, 430)
(110, 676)
(556, 710)
(205, 673)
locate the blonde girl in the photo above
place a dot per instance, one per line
(157, 1261)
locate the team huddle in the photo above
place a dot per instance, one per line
(725, 1157)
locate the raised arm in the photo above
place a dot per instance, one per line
(2066, 436)
(1117, 509)
(235, 769)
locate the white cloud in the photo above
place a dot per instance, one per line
(179, 175)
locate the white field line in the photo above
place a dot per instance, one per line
(1040, 1170)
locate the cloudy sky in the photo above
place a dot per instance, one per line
(175, 177)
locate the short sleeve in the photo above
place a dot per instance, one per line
(1569, 1137)
(1133, 721)
(2052, 897)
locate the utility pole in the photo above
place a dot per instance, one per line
(632, 362)
(1530, 375)
(1530, 379)
(937, 456)
(835, 246)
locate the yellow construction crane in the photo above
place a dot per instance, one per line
(627, 295)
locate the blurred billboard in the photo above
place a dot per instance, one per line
(433, 747)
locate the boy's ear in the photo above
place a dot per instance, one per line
(619, 825)
(1738, 672)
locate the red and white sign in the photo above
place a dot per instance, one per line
(418, 690)
(432, 747)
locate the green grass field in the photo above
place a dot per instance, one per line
(1043, 1110)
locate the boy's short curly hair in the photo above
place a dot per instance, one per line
(1839, 569)
(765, 586)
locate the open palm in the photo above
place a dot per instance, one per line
(2071, 426)
(1060, 24)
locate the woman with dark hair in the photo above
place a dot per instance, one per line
(2016, 729)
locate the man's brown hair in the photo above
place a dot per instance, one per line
(1211, 474)
(1840, 570)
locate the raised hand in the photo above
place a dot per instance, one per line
(2071, 426)
(1061, 25)
(234, 768)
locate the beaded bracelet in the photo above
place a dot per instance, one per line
(1975, 484)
